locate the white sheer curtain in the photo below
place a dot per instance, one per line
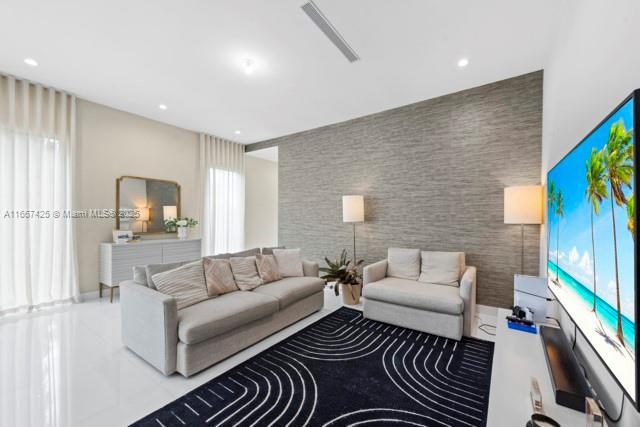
(222, 195)
(37, 243)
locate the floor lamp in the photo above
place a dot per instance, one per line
(353, 212)
(523, 206)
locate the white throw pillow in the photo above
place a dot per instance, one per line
(441, 268)
(289, 262)
(403, 263)
(186, 284)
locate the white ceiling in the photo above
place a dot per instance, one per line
(134, 55)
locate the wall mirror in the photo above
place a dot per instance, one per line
(143, 204)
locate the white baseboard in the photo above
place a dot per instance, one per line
(88, 296)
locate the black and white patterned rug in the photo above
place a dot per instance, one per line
(345, 370)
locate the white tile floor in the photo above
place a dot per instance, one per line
(67, 367)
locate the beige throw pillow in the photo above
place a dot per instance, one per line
(245, 272)
(186, 284)
(268, 268)
(289, 262)
(219, 277)
(441, 268)
(403, 263)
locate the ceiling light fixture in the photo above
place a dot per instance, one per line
(237, 132)
(247, 65)
(31, 62)
(463, 62)
(162, 107)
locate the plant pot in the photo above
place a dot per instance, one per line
(351, 294)
(183, 233)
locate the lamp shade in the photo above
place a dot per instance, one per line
(169, 212)
(352, 208)
(523, 205)
(144, 213)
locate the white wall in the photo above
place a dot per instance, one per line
(261, 202)
(594, 66)
(112, 143)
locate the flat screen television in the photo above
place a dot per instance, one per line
(592, 257)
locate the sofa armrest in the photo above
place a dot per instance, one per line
(374, 272)
(310, 268)
(149, 325)
(468, 295)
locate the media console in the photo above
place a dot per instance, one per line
(518, 356)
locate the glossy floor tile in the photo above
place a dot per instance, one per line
(67, 367)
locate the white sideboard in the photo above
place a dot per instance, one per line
(117, 260)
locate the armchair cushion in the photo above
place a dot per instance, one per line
(409, 293)
(442, 268)
(403, 263)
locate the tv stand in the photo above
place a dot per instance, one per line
(567, 379)
(517, 357)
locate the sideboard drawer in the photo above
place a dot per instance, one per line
(117, 261)
(181, 251)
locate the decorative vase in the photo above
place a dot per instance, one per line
(351, 294)
(182, 233)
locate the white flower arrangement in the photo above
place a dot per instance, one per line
(172, 223)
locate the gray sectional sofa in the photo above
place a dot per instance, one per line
(196, 337)
(433, 292)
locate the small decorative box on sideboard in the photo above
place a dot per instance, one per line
(117, 260)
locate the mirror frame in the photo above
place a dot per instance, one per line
(119, 181)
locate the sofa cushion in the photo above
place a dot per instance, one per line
(409, 293)
(441, 268)
(291, 289)
(186, 284)
(152, 269)
(225, 313)
(140, 275)
(403, 263)
(289, 262)
(268, 268)
(248, 252)
(269, 251)
(245, 272)
(219, 277)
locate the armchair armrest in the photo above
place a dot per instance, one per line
(468, 295)
(150, 325)
(310, 268)
(374, 272)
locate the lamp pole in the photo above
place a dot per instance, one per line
(355, 260)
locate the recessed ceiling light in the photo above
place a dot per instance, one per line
(162, 107)
(463, 62)
(248, 65)
(237, 132)
(31, 62)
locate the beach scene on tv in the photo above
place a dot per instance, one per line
(591, 232)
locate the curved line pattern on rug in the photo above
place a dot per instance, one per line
(345, 370)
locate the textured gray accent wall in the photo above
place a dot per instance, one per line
(433, 175)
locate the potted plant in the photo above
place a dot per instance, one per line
(181, 224)
(345, 274)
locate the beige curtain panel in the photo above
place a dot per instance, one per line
(37, 153)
